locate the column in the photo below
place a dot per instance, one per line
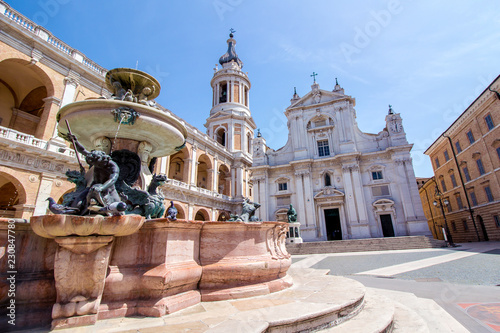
(299, 183)
(241, 93)
(404, 193)
(71, 82)
(308, 195)
(215, 180)
(46, 181)
(190, 216)
(302, 130)
(164, 165)
(210, 179)
(230, 92)
(239, 180)
(194, 164)
(349, 195)
(217, 93)
(264, 207)
(360, 196)
(233, 183)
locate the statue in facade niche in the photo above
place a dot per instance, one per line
(247, 212)
(291, 214)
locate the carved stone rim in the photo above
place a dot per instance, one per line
(52, 226)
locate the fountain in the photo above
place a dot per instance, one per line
(113, 253)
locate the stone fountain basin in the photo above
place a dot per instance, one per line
(52, 226)
(91, 119)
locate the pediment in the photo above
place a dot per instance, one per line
(329, 193)
(383, 205)
(317, 97)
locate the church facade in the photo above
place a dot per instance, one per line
(343, 183)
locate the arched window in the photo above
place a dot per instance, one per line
(224, 186)
(220, 136)
(223, 92)
(328, 181)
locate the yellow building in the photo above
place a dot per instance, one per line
(466, 163)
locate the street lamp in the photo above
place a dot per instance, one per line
(442, 203)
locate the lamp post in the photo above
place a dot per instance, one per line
(444, 202)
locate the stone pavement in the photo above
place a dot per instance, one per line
(404, 305)
(453, 289)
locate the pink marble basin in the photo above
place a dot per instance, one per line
(52, 226)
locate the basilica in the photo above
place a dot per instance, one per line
(342, 182)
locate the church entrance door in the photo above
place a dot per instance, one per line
(387, 228)
(332, 222)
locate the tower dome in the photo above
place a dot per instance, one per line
(230, 55)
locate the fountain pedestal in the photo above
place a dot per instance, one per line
(81, 261)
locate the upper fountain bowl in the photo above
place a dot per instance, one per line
(134, 80)
(129, 114)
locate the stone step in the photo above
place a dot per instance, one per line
(369, 244)
(406, 320)
(376, 317)
(314, 301)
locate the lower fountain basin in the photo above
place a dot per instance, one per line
(52, 226)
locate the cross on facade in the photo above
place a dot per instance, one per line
(314, 76)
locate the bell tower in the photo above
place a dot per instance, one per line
(230, 122)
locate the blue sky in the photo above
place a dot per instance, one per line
(428, 59)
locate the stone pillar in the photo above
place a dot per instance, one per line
(71, 83)
(164, 165)
(230, 94)
(239, 180)
(299, 183)
(230, 136)
(350, 199)
(41, 204)
(233, 182)
(262, 197)
(404, 192)
(360, 197)
(55, 140)
(215, 179)
(194, 164)
(217, 93)
(210, 179)
(190, 216)
(309, 199)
